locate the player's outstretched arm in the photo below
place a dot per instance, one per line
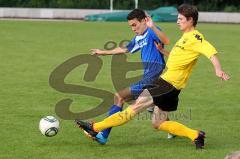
(118, 50)
(161, 49)
(158, 32)
(219, 72)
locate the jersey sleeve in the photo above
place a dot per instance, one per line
(204, 47)
(132, 46)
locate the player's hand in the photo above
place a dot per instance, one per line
(149, 22)
(222, 75)
(96, 52)
(159, 46)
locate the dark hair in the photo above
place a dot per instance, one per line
(189, 11)
(136, 13)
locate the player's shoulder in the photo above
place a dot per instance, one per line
(150, 30)
(196, 36)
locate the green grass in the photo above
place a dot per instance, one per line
(29, 52)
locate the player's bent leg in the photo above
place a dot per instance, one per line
(165, 96)
(120, 97)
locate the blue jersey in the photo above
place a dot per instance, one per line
(145, 42)
(150, 55)
(152, 59)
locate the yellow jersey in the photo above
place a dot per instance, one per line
(184, 56)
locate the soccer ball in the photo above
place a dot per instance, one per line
(49, 126)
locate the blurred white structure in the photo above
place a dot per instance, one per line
(111, 4)
(136, 4)
(46, 13)
(43, 13)
(219, 17)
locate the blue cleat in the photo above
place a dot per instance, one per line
(101, 139)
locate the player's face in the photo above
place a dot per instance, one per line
(183, 23)
(137, 27)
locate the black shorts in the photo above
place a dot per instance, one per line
(164, 95)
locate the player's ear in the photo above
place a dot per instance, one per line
(142, 20)
(190, 19)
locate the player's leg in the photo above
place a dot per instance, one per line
(144, 101)
(165, 96)
(156, 70)
(120, 97)
(179, 129)
(160, 122)
(158, 117)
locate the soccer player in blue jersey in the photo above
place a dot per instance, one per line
(147, 35)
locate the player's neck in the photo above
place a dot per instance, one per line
(144, 30)
(189, 29)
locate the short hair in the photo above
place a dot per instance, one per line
(136, 13)
(189, 11)
(233, 155)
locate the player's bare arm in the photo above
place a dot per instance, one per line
(161, 49)
(219, 72)
(158, 32)
(118, 50)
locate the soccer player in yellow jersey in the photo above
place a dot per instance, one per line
(164, 92)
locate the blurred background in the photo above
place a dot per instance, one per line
(217, 11)
(203, 5)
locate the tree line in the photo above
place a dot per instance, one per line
(203, 5)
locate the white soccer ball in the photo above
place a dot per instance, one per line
(49, 126)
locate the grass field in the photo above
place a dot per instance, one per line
(29, 52)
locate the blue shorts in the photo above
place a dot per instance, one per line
(148, 78)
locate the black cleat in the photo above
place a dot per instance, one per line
(87, 128)
(199, 141)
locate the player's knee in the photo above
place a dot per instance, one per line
(144, 101)
(140, 105)
(155, 125)
(118, 99)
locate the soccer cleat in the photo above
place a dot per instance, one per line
(171, 136)
(199, 141)
(87, 128)
(101, 139)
